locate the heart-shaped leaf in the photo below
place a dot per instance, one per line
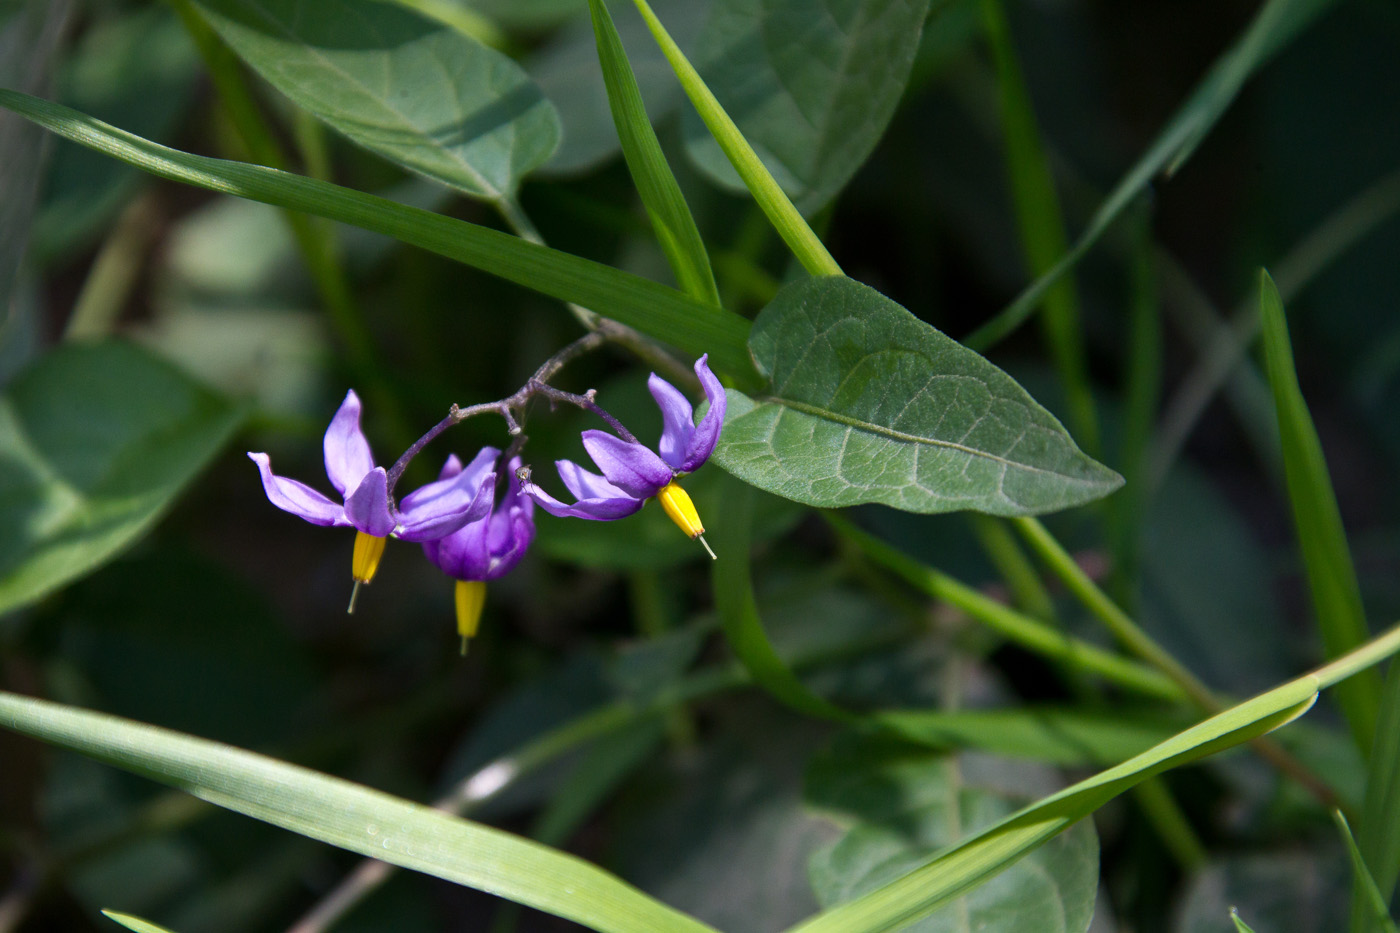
(870, 404)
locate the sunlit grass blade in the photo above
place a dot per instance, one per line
(1240, 925)
(1379, 836)
(1041, 227)
(661, 194)
(738, 610)
(653, 308)
(1369, 910)
(1273, 27)
(135, 924)
(1336, 595)
(975, 860)
(353, 817)
(775, 203)
(1032, 634)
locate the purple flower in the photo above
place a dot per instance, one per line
(433, 511)
(633, 473)
(487, 547)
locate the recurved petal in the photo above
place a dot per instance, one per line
(702, 440)
(678, 420)
(367, 507)
(348, 458)
(585, 484)
(297, 498)
(442, 507)
(599, 510)
(634, 469)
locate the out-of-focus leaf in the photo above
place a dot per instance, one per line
(1378, 834)
(95, 443)
(810, 88)
(354, 817)
(528, 14)
(649, 306)
(413, 90)
(1336, 594)
(1370, 910)
(900, 804)
(870, 404)
(135, 924)
(135, 70)
(1294, 892)
(566, 70)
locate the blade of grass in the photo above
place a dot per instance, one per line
(1380, 811)
(1007, 622)
(135, 924)
(1369, 910)
(661, 194)
(1041, 227)
(653, 308)
(1240, 925)
(1336, 595)
(1273, 27)
(353, 817)
(781, 212)
(981, 856)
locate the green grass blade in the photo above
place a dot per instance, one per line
(650, 307)
(353, 817)
(1336, 595)
(1240, 925)
(1041, 227)
(1368, 904)
(1273, 27)
(661, 194)
(775, 203)
(738, 610)
(1379, 839)
(135, 924)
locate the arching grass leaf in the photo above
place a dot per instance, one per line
(869, 404)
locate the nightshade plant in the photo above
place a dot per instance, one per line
(893, 682)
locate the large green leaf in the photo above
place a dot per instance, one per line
(870, 404)
(95, 442)
(811, 87)
(899, 805)
(661, 312)
(411, 89)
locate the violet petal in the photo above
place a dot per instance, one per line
(703, 439)
(678, 420)
(600, 510)
(585, 484)
(297, 498)
(348, 458)
(634, 469)
(445, 506)
(367, 507)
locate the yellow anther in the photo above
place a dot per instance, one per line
(676, 502)
(470, 598)
(364, 562)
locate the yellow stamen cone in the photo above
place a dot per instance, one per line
(470, 599)
(676, 502)
(364, 562)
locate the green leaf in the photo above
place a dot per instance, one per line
(870, 404)
(353, 817)
(900, 805)
(96, 440)
(661, 195)
(136, 924)
(812, 90)
(1273, 27)
(769, 196)
(1368, 904)
(1240, 925)
(661, 312)
(1379, 836)
(1336, 595)
(413, 90)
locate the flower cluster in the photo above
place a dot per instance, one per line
(475, 522)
